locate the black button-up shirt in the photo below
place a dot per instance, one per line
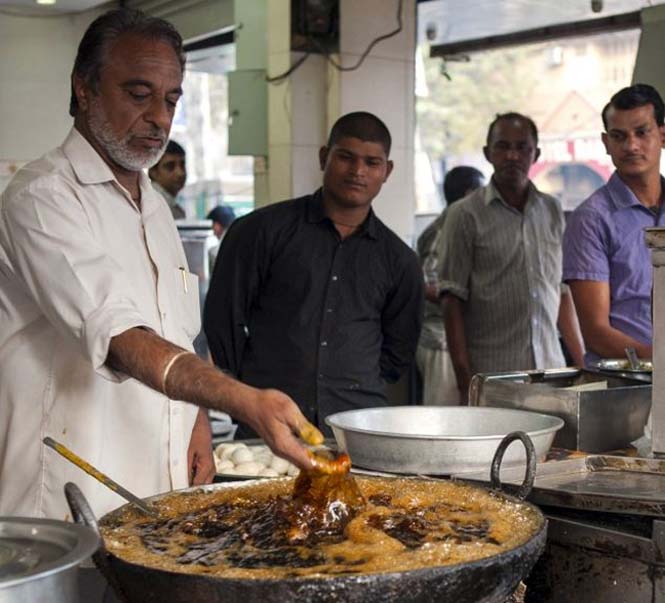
(328, 321)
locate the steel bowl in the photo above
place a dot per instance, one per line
(437, 440)
(39, 559)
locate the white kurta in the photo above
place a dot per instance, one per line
(79, 264)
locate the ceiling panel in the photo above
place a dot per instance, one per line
(446, 21)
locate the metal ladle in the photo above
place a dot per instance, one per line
(99, 476)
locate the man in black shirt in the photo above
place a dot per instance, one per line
(316, 296)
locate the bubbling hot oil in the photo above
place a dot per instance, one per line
(247, 531)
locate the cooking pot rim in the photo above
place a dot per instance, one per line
(87, 542)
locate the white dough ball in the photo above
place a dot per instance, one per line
(249, 468)
(230, 448)
(292, 470)
(268, 472)
(219, 450)
(280, 465)
(264, 457)
(259, 449)
(242, 455)
(222, 466)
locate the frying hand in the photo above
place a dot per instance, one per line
(277, 419)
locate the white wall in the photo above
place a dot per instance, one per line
(37, 57)
(384, 85)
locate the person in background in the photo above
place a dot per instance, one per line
(222, 216)
(97, 307)
(432, 357)
(169, 175)
(316, 295)
(606, 261)
(500, 273)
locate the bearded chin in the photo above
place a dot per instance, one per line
(118, 149)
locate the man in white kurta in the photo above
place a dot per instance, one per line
(80, 263)
(94, 288)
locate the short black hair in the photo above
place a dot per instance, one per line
(637, 95)
(459, 181)
(105, 30)
(513, 115)
(362, 125)
(173, 148)
(223, 214)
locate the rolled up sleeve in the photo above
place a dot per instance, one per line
(455, 250)
(80, 289)
(585, 248)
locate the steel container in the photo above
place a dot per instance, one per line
(595, 420)
(39, 559)
(437, 440)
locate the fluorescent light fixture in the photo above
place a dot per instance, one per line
(46, 1)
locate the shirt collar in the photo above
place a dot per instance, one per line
(316, 214)
(621, 195)
(86, 162)
(90, 168)
(492, 193)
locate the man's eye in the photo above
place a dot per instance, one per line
(138, 96)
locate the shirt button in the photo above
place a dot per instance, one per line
(324, 344)
(320, 375)
(329, 310)
(334, 277)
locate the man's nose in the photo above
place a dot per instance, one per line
(358, 166)
(513, 153)
(631, 142)
(159, 114)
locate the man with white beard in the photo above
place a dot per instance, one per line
(97, 307)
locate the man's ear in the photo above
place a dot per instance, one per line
(661, 129)
(389, 168)
(604, 138)
(81, 91)
(323, 157)
(536, 155)
(486, 153)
